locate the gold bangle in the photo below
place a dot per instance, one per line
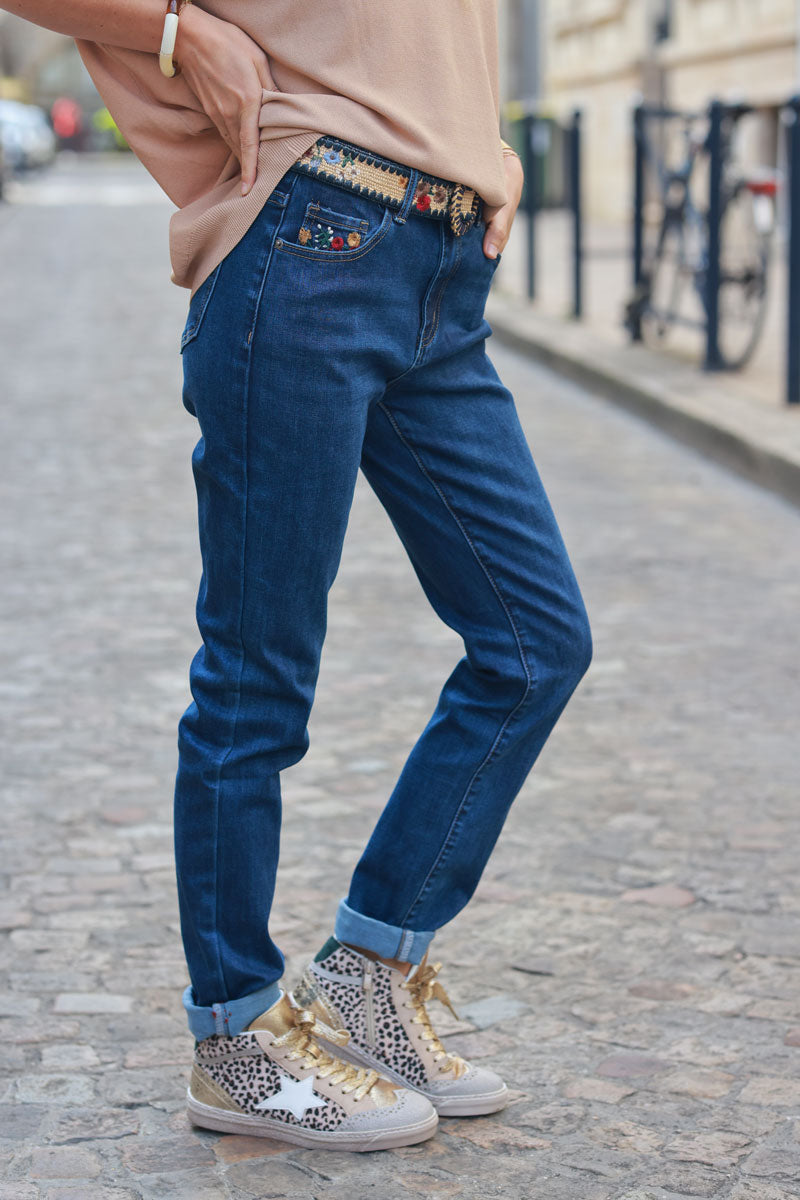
(506, 149)
(165, 60)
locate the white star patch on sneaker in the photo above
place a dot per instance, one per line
(295, 1096)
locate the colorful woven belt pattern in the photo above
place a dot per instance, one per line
(353, 167)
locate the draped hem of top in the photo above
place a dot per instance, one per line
(338, 68)
(201, 234)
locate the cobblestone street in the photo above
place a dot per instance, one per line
(631, 962)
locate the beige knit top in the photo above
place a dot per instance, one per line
(414, 80)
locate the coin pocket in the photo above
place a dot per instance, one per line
(325, 229)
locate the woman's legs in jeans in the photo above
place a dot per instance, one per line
(297, 366)
(447, 457)
(275, 471)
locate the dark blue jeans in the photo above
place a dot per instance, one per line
(303, 363)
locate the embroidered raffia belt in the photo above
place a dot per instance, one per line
(384, 180)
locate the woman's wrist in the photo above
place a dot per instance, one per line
(191, 17)
(129, 24)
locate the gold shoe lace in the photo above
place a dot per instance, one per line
(423, 986)
(302, 1043)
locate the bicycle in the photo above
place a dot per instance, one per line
(680, 260)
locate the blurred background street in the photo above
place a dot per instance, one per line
(631, 962)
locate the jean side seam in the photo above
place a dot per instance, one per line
(529, 675)
(406, 945)
(240, 672)
(264, 270)
(530, 680)
(242, 577)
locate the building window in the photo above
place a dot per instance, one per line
(662, 25)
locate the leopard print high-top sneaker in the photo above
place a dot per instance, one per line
(390, 1030)
(276, 1080)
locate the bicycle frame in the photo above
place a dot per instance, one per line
(693, 235)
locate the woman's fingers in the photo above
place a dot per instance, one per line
(264, 74)
(249, 141)
(249, 127)
(228, 72)
(498, 227)
(500, 219)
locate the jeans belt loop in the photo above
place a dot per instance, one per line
(411, 191)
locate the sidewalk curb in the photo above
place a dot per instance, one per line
(759, 463)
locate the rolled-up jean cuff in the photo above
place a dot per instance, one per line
(389, 941)
(231, 1017)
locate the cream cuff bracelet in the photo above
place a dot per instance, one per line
(165, 60)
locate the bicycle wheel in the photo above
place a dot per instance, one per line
(669, 276)
(744, 259)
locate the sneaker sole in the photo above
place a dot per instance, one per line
(207, 1116)
(446, 1106)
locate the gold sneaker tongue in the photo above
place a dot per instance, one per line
(278, 1019)
(294, 1030)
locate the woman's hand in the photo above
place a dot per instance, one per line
(498, 220)
(228, 72)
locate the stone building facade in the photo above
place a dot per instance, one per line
(600, 55)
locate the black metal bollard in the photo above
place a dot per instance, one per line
(577, 215)
(635, 318)
(793, 318)
(531, 189)
(716, 113)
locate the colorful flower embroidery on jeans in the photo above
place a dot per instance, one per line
(322, 237)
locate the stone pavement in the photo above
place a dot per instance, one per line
(631, 962)
(739, 418)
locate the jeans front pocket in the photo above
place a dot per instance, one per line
(330, 224)
(197, 308)
(263, 229)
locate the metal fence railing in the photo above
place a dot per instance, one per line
(712, 241)
(715, 246)
(791, 115)
(550, 150)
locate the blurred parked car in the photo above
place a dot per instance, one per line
(26, 136)
(66, 117)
